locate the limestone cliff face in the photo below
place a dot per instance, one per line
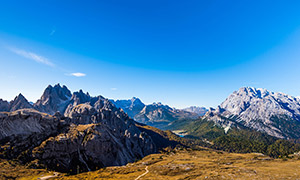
(22, 130)
(276, 114)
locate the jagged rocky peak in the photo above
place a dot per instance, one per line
(54, 99)
(136, 101)
(80, 97)
(20, 102)
(261, 104)
(4, 105)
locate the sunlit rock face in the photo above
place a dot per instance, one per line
(277, 114)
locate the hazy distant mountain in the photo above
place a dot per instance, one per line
(4, 105)
(131, 107)
(159, 115)
(277, 114)
(195, 109)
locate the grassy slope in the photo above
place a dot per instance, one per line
(191, 164)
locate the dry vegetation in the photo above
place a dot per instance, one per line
(181, 164)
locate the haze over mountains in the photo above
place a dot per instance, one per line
(157, 114)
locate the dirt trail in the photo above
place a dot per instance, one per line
(146, 168)
(48, 177)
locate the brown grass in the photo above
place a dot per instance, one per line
(191, 164)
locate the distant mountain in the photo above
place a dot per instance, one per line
(159, 115)
(195, 109)
(20, 102)
(4, 105)
(276, 114)
(131, 107)
(156, 114)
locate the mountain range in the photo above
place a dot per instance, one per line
(157, 114)
(71, 132)
(76, 132)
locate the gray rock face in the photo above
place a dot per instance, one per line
(25, 122)
(159, 115)
(131, 107)
(22, 130)
(20, 102)
(277, 114)
(4, 106)
(195, 109)
(54, 99)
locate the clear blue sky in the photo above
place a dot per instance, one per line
(179, 53)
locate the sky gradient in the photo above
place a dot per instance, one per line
(175, 52)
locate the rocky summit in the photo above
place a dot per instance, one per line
(54, 99)
(276, 114)
(20, 102)
(89, 134)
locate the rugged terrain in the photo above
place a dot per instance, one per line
(177, 164)
(92, 133)
(74, 133)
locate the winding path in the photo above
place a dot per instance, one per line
(146, 168)
(48, 177)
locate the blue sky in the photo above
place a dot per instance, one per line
(179, 53)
